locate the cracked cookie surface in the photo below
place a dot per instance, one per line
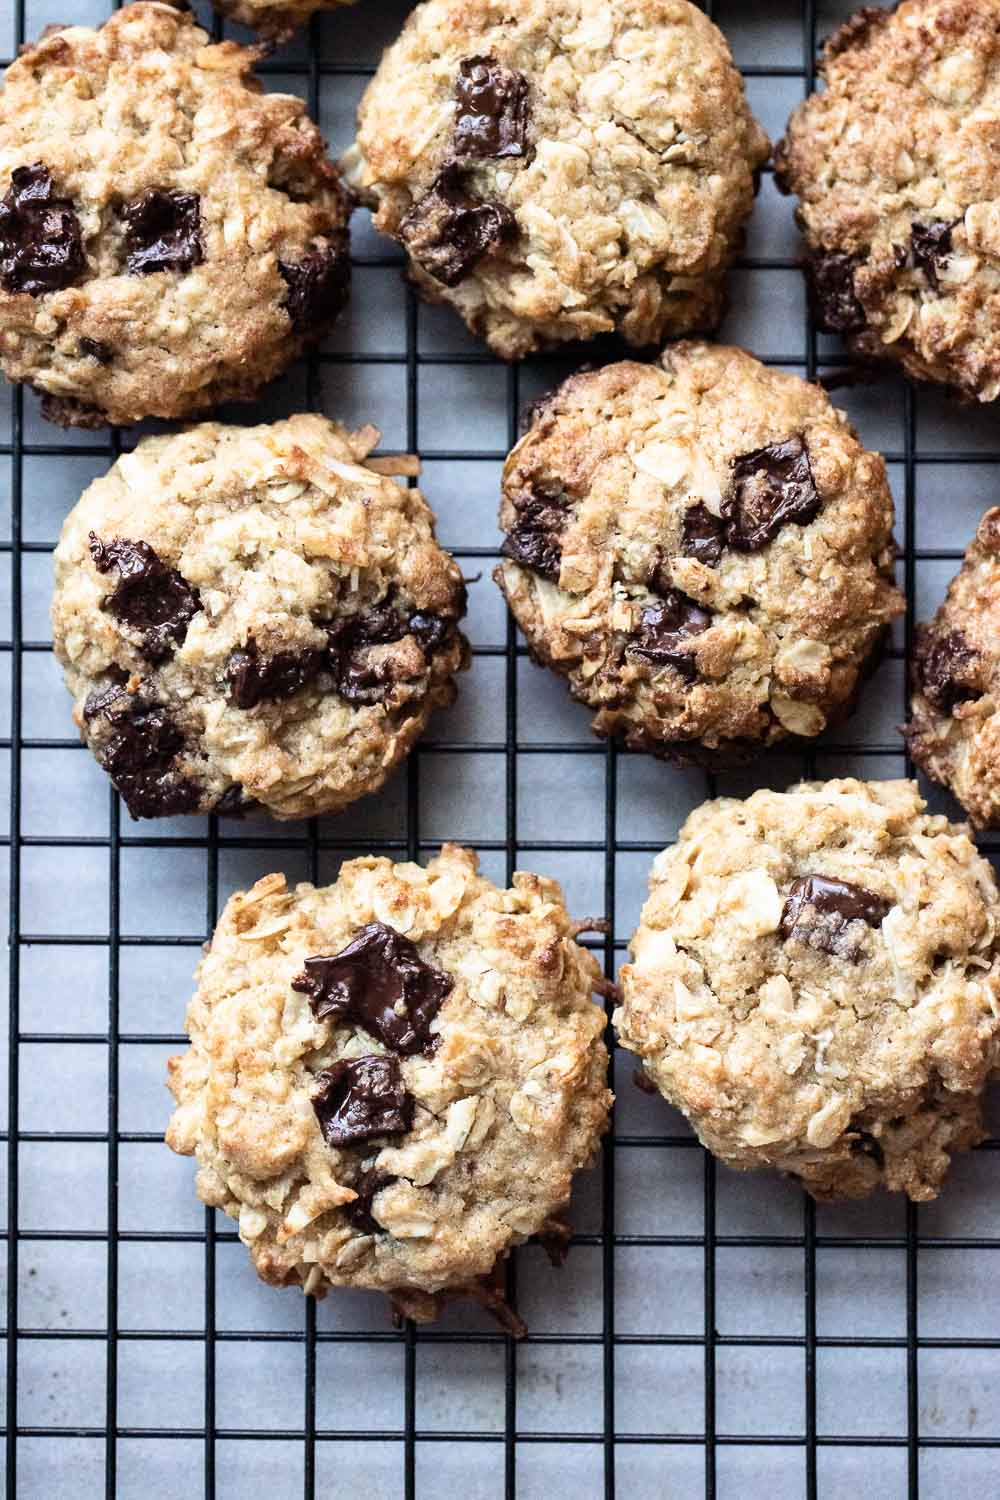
(702, 548)
(895, 164)
(815, 982)
(170, 236)
(254, 616)
(358, 1151)
(557, 171)
(954, 728)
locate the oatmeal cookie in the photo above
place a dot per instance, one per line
(896, 166)
(391, 1080)
(815, 982)
(560, 170)
(254, 615)
(702, 548)
(170, 237)
(954, 731)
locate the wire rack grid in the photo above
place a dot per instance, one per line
(710, 1334)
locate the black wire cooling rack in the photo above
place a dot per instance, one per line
(921, 1453)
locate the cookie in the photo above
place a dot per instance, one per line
(954, 729)
(392, 1080)
(170, 237)
(560, 170)
(254, 616)
(896, 165)
(815, 982)
(702, 548)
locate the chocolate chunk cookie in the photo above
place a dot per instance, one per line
(254, 616)
(815, 982)
(556, 171)
(896, 165)
(392, 1080)
(954, 729)
(702, 548)
(170, 236)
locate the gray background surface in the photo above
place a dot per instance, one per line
(114, 1254)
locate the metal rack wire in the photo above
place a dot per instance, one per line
(503, 1445)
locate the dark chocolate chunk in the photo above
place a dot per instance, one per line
(100, 699)
(822, 911)
(234, 803)
(41, 246)
(162, 232)
(318, 285)
(492, 114)
(449, 230)
(94, 349)
(931, 245)
(947, 669)
(432, 631)
(367, 1187)
(666, 625)
(252, 679)
(703, 535)
(149, 598)
(768, 489)
(830, 281)
(139, 755)
(359, 679)
(365, 1097)
(380, 982)
(534, 538)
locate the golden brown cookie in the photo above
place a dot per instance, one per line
(557, 169)
(896, 165)
(702, 548)
(392, 1080)
(254, 616)
(815, 982)
(170, 236)
(954, 729)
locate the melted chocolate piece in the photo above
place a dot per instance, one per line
(162, 232)
(149, 598)
(492, 114)
(358, 679)
(252, 679)
(139, 754)
(94, 349)
(703, 535)
(769, 488)
(448, 230)
(666, 625)
(947, 669)
(380, 982)
(318, 285)
(830, 281)
(534, 538)
(359, 1213)
(931, 244)
(360, 1099)
(821, 911)
(41, 246)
